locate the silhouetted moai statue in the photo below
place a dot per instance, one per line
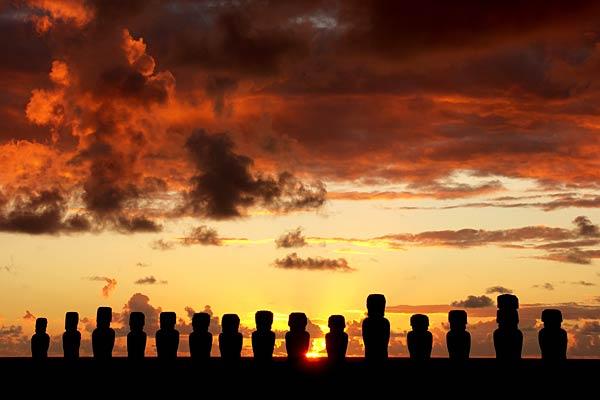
(40, 341)
(376, 329)
(230, 339)
(103, 337)
(508, 339)
(297, 340)
(200, 338)
(167, 337)
(263, 339)
(136, 338)
(552, 338)
(336, 341)
(71, 338)
(458, 340)
(419, 340)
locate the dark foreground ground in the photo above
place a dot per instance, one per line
(397, 378)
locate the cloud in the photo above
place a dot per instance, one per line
(474, 302)
(559, 244)
(583, 283)
(546, 286)
(139, 302)
(161, 244)
(202, 235)
(149, 280)
(111, 284)
(293, 261)
(226, 187)
(498, 289)
(40, 213)
(436, 190)
(291, 239)
(28, 316)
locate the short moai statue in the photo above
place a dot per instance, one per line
(336, 340)
(167, 337)
(71, 338)
(136, 338)
(419, 340)
(263, 339)
(508, 339)
(376, 329)
(297, 339)
(552, 338)
(230, 339)
(103, 337)
(40, 341)
(200, 338)
(458, 340)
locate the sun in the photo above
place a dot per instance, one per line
(317, 349)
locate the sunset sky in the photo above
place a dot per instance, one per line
(232, 156)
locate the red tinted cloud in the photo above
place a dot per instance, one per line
(104, 100)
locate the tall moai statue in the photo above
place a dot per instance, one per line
(167, 337)
(103, 337)
(508, 339)
(136, 338)
(419, 340)
(263, 339)
(336, 340)
(40, 341)
(297, 339)
(200, 338)
(458, 340)
(552, 338)
(71, 338)
(376, 329)
(230, 339)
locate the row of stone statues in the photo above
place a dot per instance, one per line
(508, 339)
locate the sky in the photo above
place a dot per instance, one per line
(233, 156)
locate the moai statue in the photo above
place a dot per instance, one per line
(458, 340)
(136, 338)
(167, 337)
(200, 338)
(297, 340)
(552, 338)
(263, 339)
(336, 341)
(419, 340)
(508, 339)
(40, 341)
(376, 329)
(103, 337)
(71, 338)
(230, 339)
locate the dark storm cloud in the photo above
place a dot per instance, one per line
(293, 261)
(42, 212)
(474, 302)
(225, 185)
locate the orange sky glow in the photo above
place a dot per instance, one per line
(229, 157)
